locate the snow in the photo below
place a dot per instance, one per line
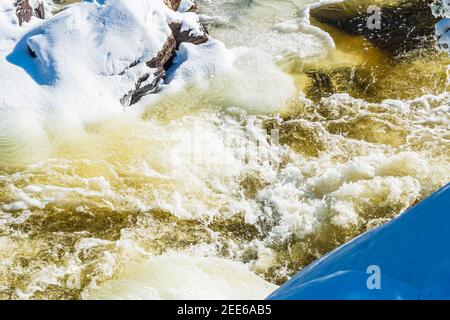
(411, 252)
(91, 55)
(98, 38)
(183, 275)
(94, 43)
(442, 9)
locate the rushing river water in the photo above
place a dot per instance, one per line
(201, 199)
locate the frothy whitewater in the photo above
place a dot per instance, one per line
(222, 189)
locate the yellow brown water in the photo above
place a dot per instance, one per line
(197, 179)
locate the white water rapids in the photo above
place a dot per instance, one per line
(224, 189)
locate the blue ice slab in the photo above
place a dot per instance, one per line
(412, 252)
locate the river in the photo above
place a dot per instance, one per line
(225, 189)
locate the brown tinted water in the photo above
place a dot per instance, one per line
(195, 194)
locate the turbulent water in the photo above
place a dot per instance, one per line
(201, 199)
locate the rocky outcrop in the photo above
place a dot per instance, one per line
(187, 35)
(405, 25)
(160, 63)
(163, 60)
(24, 11)
(132, 63)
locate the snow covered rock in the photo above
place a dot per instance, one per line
(409, 255)
(126, 45)
(172, 4)
(183, 35)
(441, 9)
(24, 11)
(187, 6)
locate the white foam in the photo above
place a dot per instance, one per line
(180, 275)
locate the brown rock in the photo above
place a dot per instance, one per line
(405, 24)
(165, 55)
(24, 11)
(161, 63)
(173, 4)
(186, 36)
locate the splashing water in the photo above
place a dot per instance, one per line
(224, 189)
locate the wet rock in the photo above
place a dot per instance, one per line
(404, 25)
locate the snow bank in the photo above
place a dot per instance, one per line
(441, 8)
(411, 252)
